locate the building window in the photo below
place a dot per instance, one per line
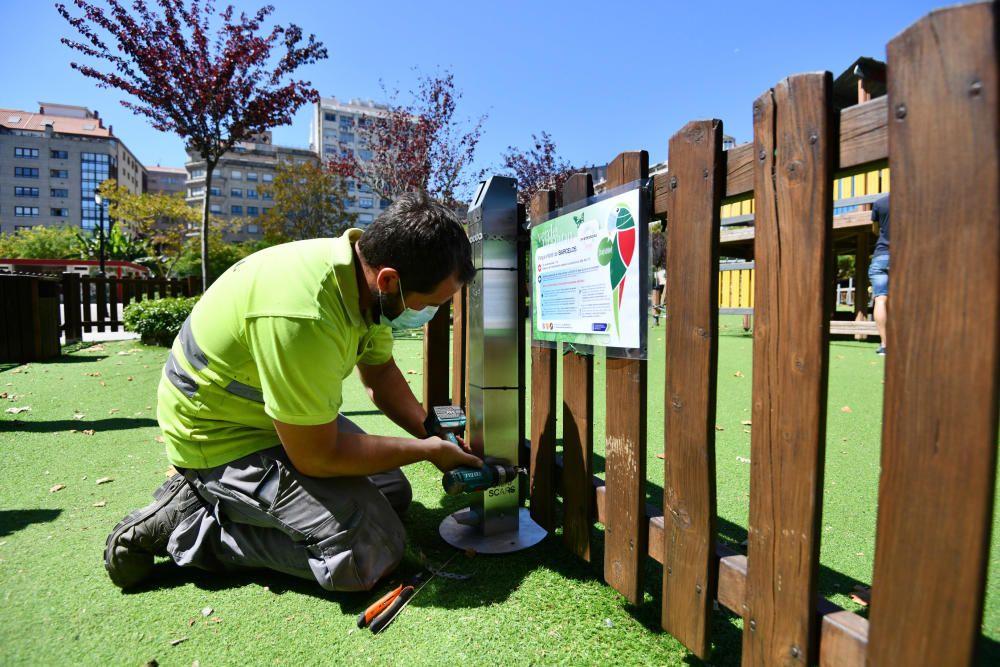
(251, 175)
(215, 208)
(235, 210)
(266, 196)
(345, 123)
(236, 175)
(332, 117)
(350, 186)
(268, 178)
(347, 137)
(236, 192)
(364, 187)
(59, 212)
(25, 192)
(26, 211)
(384, 203)
(58, 192)
(252, 210)
(58, 173)
(365, 202)
(196, 192)
(95, 168)
(251, 193)
(198, 173)
(26, 172)
(215, 192)
(18, 228)
(216, 173)
(20, 151)
(59, 155)
(365, 218)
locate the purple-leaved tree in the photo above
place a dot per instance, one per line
(537, 168)
(214, 79)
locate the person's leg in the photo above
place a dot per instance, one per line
(881, 314)
(262, 513)
(878, 274)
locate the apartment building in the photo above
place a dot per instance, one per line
(238, 191)
(167, 180)
(334, 132)
(51, 162)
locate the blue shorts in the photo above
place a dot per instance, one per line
(878, 273)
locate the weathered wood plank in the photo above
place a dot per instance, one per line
(793, 201)
(939, 434)
(864, 135)
(543, 407)
(578, 422)
(863, 141)
(101, 283)
(436, 358)
(689, 579)
(626, 528)
(844, 640)
(71, 307)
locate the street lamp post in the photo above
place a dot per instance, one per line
(100, 201)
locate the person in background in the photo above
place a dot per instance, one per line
(878, 270)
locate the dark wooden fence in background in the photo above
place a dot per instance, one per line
(939, 130)
(31, 322)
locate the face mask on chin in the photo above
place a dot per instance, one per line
(409, 318)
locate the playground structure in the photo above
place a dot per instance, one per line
(938, 128)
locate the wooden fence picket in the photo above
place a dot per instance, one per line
(689, 507)
(939, 431)
(626, 528)
(793, 177)
(578, 422)
(543, 407)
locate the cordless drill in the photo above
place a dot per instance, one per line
(446, 421)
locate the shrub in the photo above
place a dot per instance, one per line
(158, 320)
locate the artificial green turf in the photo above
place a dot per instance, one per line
(538, 606)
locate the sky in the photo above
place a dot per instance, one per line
(599, 77)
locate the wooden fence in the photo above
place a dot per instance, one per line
(938, 129)
(91, 302)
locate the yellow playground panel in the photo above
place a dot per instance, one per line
(736, 279)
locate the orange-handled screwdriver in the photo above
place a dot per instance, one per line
(368, 615)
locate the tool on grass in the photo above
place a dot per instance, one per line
(385, 610)
(448, 421)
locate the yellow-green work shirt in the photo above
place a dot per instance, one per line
(273, 338)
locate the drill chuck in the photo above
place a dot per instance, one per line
(468, 480)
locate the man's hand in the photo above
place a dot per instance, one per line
(447, 456)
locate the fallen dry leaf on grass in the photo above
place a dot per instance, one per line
(100, 503)
(862, 595)
(411, 372)
(113, 411)
(742, 459)
(105, 480)
(95, 374)
(77, 416)
(180, 640)
(170, 472)
(846, 408)
(746, 422)
(88, 431)
(159, 439)
(57, 487)
(659, 456)
(129, 378)
(738, 374)
(17, 411)
(719, 428)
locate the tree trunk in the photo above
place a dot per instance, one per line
(209, 168)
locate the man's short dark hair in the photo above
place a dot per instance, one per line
(420, 238)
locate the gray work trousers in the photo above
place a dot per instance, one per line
(260, 512)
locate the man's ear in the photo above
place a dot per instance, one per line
(387, 280)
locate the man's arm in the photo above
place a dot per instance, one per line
(320, 451)
(391, 394)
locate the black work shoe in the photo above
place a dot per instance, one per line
(144, 533)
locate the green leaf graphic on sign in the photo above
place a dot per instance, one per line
(604, 251)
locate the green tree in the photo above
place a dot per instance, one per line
(41, 243)
(155, 226)
(222, 252)
(309, 202)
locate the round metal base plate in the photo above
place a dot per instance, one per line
(460, 536)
